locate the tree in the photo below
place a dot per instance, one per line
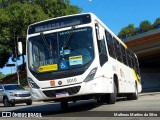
(55, 8)
(16, 15)
(157, 22)
(145, 26)
(1, 75)
(128, 30)
(5, 51)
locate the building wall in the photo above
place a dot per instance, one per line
(150, 79)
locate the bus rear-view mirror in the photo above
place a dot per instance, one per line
(20, 49)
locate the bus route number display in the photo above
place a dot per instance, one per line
(59, 23)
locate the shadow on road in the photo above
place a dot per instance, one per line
(54, 109)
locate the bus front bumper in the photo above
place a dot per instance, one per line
(97, 86)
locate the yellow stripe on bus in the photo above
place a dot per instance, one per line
(135, 76)
(125, 46)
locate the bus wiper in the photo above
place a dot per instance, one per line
(68, 37)
(65, 44)
(45, 42)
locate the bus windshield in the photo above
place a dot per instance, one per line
(61, 50)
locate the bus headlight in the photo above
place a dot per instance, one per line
(91, 75)
(32, 84)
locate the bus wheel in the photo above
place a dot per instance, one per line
(101, 99)
(111, 98)
(133, 96)
(64, 105)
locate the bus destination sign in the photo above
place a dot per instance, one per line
(59, 23)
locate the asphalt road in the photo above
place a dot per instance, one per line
(147, 105)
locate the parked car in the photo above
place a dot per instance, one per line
(11, 94)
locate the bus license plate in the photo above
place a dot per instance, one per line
(62, 94)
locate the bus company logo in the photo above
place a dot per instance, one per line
(52, 83)
(6, 114)
(59, 82)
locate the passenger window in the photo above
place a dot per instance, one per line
(102, 49)
(118, 51)
(124, 55)
(131, 58)
(103, 52)
(110, 45)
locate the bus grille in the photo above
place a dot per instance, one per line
(71, 91)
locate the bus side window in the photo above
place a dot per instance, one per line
(129, 58)
(137, 66)
(102, 49)
(110, 44)
(119, 52)
(123, 50)
(116, 47)
(132, 59)
(102, 52)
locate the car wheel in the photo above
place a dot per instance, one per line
(12, 104)
(6, 102)
(29, 103)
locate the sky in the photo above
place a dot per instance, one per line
(116, 14)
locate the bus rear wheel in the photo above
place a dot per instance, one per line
(133, 96)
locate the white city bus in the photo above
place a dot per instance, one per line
(78, 57)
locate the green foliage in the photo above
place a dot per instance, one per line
(127, 30)
(5, 54)
(157, 21)
(16, 15)
(1, 75)
(145, 25)
(56, 8)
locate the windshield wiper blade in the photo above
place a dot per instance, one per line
(65, 44)
(45, 41)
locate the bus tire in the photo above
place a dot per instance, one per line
(12, 104)
(112, 96)
(64, 105)
(101, 99)
(133, 96)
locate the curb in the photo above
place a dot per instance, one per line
(149, 93)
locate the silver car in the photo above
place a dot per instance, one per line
(10, 94)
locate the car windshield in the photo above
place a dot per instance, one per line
(61, 50)
(13, 87)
